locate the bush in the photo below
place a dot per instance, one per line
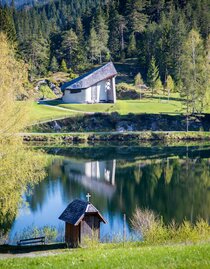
(46, 92)
(126, 91)
(49, 232)
(153, 230)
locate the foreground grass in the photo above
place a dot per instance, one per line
(110, 256)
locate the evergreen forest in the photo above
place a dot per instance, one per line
(169, 38)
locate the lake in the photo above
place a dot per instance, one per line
(173, 181)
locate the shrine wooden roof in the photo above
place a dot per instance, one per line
(76, 211)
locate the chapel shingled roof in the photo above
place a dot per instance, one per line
(76, 210)
(91, 78)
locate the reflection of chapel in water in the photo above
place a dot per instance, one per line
(98, 176)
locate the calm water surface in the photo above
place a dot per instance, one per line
(172, 181)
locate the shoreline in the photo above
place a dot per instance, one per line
(116, 136)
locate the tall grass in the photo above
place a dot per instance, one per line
(153, 230)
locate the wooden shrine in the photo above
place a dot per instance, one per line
(82, 220)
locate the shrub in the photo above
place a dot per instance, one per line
(46, 92)
(49, 232)
(126, 91)
(153, 230)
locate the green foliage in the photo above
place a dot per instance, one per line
(132, 46)
(85, 33)
(154, 231)
(35, 52)
(195, 75)
(54, 65)
(63, 66)
(13, 75)
(153, 74)
(170, 84)
(158, 85)
(69, 48)
(49, 232)
(46, 92)
(138, 80)
(94, 46)
(7, 24)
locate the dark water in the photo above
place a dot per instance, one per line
(172, 181)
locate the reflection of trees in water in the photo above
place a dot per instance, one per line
(174, 188)
(19, 167)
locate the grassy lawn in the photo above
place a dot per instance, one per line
(40, 112)
(128, 106)
(112, 256)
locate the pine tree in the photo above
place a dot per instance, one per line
(152, 74)
(54, 65)
(137, 18)
(158, 85)
(94, 46)
(102, 35)
(7, 23)
(114, 36)
(69, 48)
(63, 66)
(132, 50)
(82, 46)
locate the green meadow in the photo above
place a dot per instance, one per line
(114, 256)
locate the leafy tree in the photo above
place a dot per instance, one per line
(138, 81)
(13, 74)
(194, 76)
(169, 85)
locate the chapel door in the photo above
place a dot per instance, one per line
(94, 95)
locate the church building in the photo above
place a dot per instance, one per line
(96, 86)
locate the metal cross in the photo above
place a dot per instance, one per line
(88, 196)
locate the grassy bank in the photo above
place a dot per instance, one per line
(112, 256)
(117, 136)
(57, 110)
(43, 113)
(123, 107)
